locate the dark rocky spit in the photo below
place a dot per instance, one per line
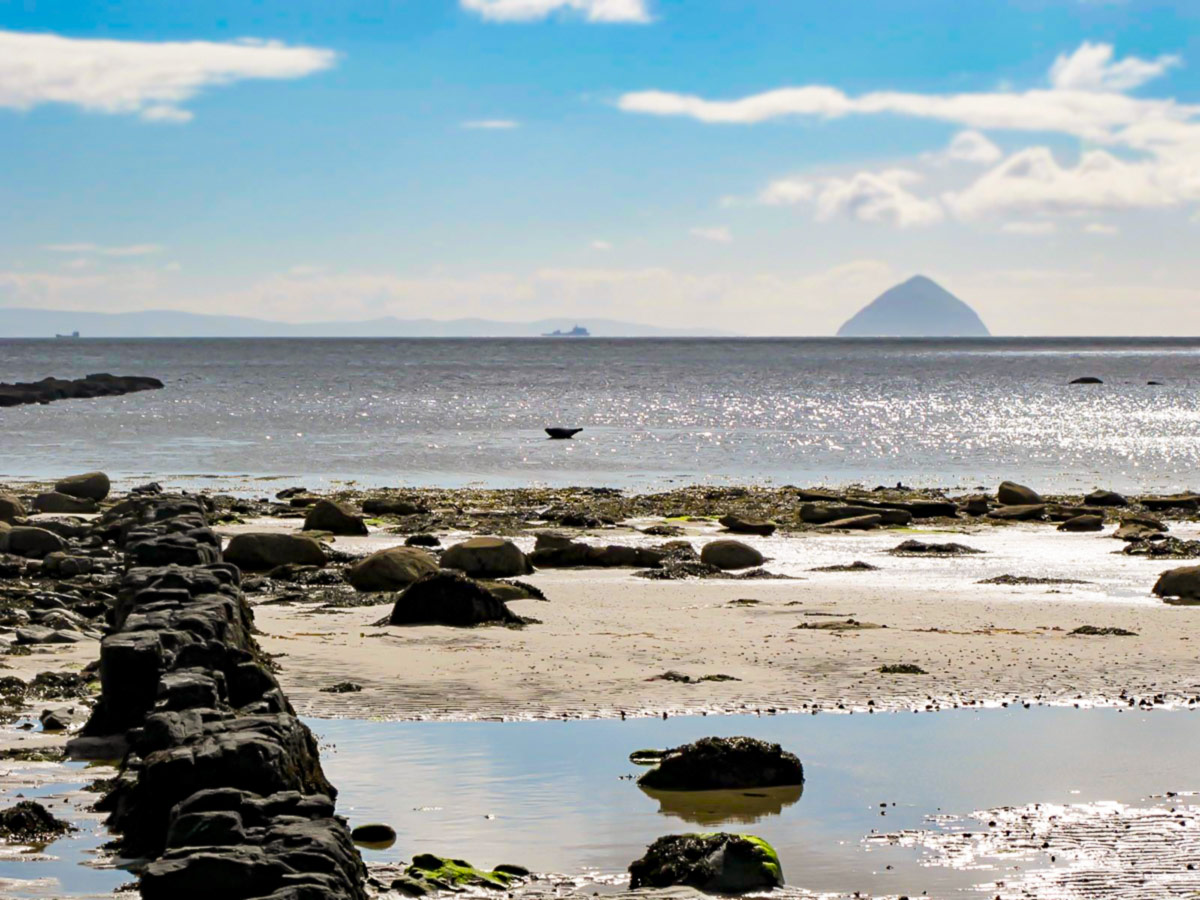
(50, 389)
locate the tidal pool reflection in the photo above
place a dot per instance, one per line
(561, 796)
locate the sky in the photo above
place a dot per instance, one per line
(754, 166)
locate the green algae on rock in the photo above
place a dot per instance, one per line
(718, 862)
(445, 874)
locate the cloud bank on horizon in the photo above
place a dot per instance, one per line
(564, 166)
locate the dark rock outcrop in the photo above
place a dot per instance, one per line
(50, 389)
(450, 598)
(29, 822)
(714, 863)
(725, 764)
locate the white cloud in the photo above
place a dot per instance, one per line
(97, 249)
(879, 197)
(1033, 181)
(597, 11)
(972, 147)
(1029, 229)
(152, 80)
(1101, 228)
(603, 246)
(1091, 68)
(720, 234)
(492, 124)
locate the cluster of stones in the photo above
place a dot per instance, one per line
(50, 389)
(221, 789)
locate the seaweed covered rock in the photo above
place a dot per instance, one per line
(392, 569)
(449, 598)
(718, 863)
(30, 822)
(728, 554)
(716, 763)
(266, 550)
(335, 518)
(445, 874)
(487, 557)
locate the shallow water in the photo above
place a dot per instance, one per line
(551, 795)
(453, 412)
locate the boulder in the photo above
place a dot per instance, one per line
(11, 508)
(487, 557)
(1182, 585)
(1105, 498)
(335, 518)
(58, 502)
(857, 523)
(735, 763)
(448, 598)
(1024, 512)
(392, 569)
(262, 551)
(1189, 502)
(976, 506)
(747, 525)
(1012, 494)
(28, 541)
(374, 833)
(1083, 523)
(713, 863)
(88, 486)
(815, 514)
(556, 551)
(392, 506)
(1087, 379)
(728, 554)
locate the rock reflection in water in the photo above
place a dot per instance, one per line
(742, 807)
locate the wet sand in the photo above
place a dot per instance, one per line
(814, 641)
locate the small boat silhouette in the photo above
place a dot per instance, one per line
(562, 434)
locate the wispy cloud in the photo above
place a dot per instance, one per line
(98, 250)
(596, 11)
(1091, 68)
(1030, 229)
(880, 197)
(147, 79)
(492, 124)
(602, 246)
(1101, 228)
(719, 234)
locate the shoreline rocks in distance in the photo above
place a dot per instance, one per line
(98, 385)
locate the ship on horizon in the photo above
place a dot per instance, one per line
(577, 331)
(67, 337)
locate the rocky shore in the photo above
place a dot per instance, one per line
(50, 389)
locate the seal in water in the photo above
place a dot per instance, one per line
(562, 434)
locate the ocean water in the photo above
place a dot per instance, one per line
(655, 412)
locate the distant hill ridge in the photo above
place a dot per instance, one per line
(917, 308)
(21, 322)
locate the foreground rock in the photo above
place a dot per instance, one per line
(712, 763)
(50, 389)
(392, 569)
(1181, 585)
(729, 555)
(88, 486)
(448, 598)
(456, 875)
(713, 863)
(487, 557)
(335, 518)
(260, 552)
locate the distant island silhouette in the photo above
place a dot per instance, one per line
(917, 308)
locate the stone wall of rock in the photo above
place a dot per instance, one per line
(221, 788)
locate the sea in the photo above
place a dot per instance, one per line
(655, 413)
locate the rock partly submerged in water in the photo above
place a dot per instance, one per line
(714, 763)
(29, 822)
(50, 389)
(718, 863)
(442, 873)
(450, 598)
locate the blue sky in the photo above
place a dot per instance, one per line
(305, 160)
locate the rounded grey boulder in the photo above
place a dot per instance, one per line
(89, 485)
(261, 551)
(390, 570)
(487, 557)
(729, 554)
